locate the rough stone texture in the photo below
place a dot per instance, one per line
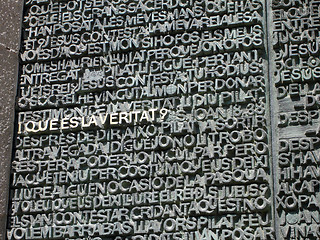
(10, 12)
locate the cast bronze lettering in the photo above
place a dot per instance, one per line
(163, 120)
(295, 72)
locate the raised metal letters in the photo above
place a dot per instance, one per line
(296, 79)
(151, 120)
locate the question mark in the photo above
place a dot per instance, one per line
(163, 113)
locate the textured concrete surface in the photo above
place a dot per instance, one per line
(10, 14)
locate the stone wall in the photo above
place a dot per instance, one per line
(10, 25)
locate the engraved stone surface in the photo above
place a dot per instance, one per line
(167, 119)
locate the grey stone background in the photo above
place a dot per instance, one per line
(10, 15)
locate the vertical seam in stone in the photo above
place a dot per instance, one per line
(272, 108)
(15, 113)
